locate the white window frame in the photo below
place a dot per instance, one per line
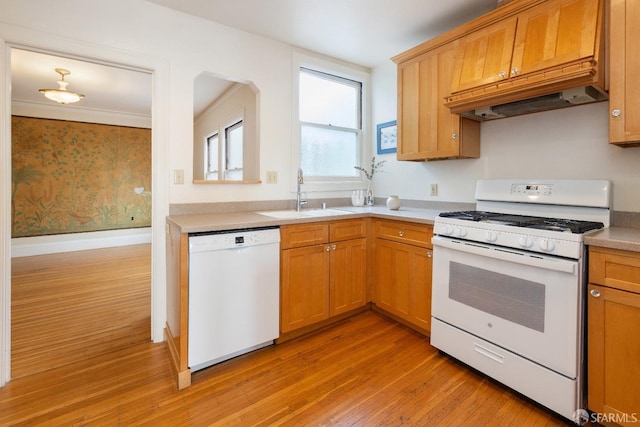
(339, 69)
(222, 144)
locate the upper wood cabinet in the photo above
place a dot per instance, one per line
(624, 56)
(549, 47)
(484, 57)
(427, 130)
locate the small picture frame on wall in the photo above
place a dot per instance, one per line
(387, 137)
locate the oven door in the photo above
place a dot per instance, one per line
(527, 303)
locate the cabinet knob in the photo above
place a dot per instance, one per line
(514, 71)
(401, 233)
(328, 248)
(594, 293)
(503, 74)
(454, 135)
(429, 254)
(333, 247)
(616, 113)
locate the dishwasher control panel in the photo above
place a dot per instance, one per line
(233, 239)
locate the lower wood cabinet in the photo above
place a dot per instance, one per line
(323, 271)
(613, 334)
(402, 271)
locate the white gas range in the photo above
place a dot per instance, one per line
(509, 284)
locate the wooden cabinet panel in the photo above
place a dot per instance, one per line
(624, 56)
(348, 276)
(614, 268)
(613, 351)
(304, 290)
(299, 235)
(323, 271)
(555, 33)
(402, 278)
(404, 232)
(613, 342)
(427, 130)
(485, 56)
(545, 48)
(346, 230)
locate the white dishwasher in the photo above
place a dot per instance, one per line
(234, 294)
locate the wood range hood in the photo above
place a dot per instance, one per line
(529, 56)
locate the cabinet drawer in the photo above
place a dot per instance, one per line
(347, 230)
(615, 268)
(405, 232)
(296, 236)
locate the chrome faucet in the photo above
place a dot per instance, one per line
(299, 202)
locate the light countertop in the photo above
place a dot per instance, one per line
(624, 238)
(198, 223)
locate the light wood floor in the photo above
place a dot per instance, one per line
(72, 306)
(365, 371)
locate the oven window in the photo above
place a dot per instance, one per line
(510, 298)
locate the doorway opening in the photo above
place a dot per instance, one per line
(77, 303)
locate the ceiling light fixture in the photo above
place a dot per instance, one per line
(62, 95)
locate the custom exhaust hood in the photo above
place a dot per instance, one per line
(552, 101)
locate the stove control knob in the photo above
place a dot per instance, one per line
(490, 236)
(461, 232)
(446, 230)
(525, 241)
(547, 245)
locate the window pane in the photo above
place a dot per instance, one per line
(326, 101)
(328, 152)
(234, 151)
(212, 157)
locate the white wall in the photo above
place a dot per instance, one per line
(567, 143)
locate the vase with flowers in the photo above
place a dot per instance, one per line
(368, 173)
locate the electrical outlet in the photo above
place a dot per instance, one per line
(178, 176)
(433, 190)
(272, 177)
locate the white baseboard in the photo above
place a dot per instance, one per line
(41, 245)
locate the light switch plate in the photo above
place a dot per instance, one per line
(272, 177)
(433, 190)
(178, 176)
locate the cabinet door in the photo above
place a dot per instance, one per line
(613, 352)
(304, 286)
(420, 304)
(484, 56)
(555, 33)
(624, 55)
(348, 276)
(426, 128)
(403, 282)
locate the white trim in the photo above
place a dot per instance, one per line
(58, 112)
(5, 214)
(160, 122)
(334, 67)
(41, 245)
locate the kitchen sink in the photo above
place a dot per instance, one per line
(310, 213)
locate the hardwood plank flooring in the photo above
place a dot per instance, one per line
(364, 371)
(72, 306)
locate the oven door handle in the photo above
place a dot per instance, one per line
(553, 264)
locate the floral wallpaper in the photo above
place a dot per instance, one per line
(70, 177)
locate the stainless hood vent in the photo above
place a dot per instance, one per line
(552, 101)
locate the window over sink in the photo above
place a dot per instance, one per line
(331, 103)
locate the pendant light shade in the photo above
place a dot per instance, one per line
(62, 95)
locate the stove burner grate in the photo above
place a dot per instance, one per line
(540, 223)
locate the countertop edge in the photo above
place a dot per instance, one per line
(624, 238)
(202, 223)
